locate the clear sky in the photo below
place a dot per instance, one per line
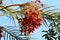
(5, 21)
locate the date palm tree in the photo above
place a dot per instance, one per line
(51, 19)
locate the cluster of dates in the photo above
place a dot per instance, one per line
(31, 21)
(0, 33)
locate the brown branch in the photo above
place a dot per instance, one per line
(17, 5)
(21, 5)
(13, 5)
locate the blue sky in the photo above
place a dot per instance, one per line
(5, 21)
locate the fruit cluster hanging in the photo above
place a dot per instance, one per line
(32, 18)
(0, 33)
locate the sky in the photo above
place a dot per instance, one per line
(37, 35)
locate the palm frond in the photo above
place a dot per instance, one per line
(47, 7)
